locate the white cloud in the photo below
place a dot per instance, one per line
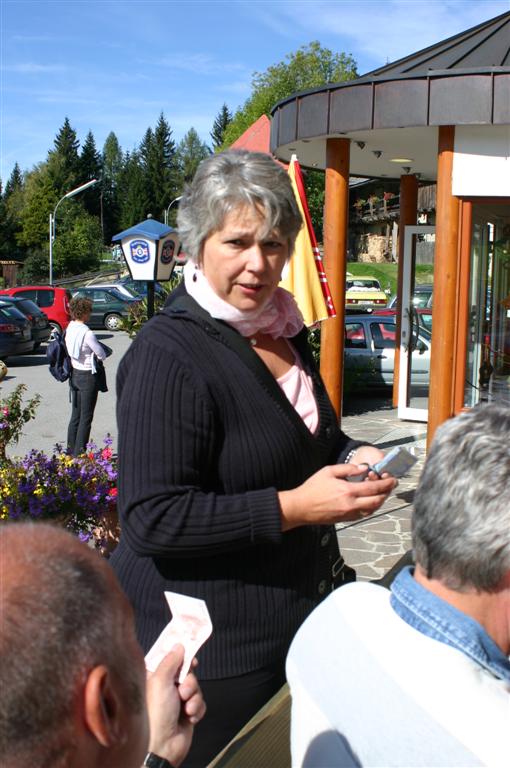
(199, 64)
(384, 30)
(236, 88)
(34, 38)
(62, 97)
(32, 68)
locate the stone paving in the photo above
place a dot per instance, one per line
(373, 545)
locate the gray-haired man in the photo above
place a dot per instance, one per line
(420, 676)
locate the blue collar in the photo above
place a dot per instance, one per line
(436, 618)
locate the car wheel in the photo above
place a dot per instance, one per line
(112, 322)
(54, 327)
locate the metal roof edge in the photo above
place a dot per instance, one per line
(431, 73)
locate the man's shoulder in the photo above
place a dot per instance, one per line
(356, 654)
(352, 603)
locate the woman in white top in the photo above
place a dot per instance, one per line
(82, 346)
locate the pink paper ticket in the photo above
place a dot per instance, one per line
(190, 626)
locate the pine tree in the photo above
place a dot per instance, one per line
(112, 162)
(15, 181)
(11, 203)
(223, 118)
(134, 199)
(90, 167)
(157, 155)
(190, 152)
(63, 160)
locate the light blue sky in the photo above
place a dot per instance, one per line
(116, 64)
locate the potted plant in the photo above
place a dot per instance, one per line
(372, 200)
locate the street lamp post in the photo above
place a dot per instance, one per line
(168, 209)
(72, 193)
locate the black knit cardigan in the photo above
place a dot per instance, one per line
(206, 439)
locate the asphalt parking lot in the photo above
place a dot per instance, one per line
(50, 423)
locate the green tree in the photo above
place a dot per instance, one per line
(63, 159)
(90, 167)
(15, 181)
(221, 122)
(35, 267)
(39, 200)
(157, 153)
(11, 203)
(190, 152)
(310, 67)
(314, 188)
(79, 244)
(134, 201)
(112, 163)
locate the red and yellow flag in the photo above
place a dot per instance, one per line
(305, 276)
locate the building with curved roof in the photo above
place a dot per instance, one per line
(441, 114)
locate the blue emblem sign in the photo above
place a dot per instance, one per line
(139, 251)
(167, 251)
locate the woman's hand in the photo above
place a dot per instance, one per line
(366, 454)
(327, 497)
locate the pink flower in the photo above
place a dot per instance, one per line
(106, 453)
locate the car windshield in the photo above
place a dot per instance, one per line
(363, 285)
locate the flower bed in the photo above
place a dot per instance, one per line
(77, 492)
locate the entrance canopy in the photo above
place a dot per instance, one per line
(392, 114)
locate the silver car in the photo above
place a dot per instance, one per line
(369, 354)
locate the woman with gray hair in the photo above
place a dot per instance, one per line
(232, 467)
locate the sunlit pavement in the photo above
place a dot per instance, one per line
(373, 545)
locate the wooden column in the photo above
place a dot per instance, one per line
(466, 223)
(336, 221)
(445, 287)
(408, 210)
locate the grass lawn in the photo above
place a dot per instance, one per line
(387, 273)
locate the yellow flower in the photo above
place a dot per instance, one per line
(38, 491)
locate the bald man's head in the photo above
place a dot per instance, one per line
(62, 613)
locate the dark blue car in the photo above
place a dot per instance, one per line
(15, 332)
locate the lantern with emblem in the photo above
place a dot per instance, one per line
(149, 249)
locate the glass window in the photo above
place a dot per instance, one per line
(45, 298)
(355, 336)
(488, 333)
(27, 294)
(383, 335)
(12, 313)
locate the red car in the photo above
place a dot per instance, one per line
(53, 301)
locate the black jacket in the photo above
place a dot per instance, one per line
(206, 439)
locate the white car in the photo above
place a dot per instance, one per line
(369, 351)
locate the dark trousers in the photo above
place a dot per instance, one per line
(83, 398)
(231, 702)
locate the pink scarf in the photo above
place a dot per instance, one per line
(280, 316)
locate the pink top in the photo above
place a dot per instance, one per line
(298, 387)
